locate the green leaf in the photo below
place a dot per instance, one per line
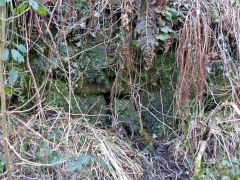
(163, 37)
(175, 22)
(225, 162)
(19, 69)
(78, 44)
(174, 12)
(159, 11)
(93, 34)
(55, 153)
(33, 4)
(168, 14)
(50, 136)
(5, 54)
(162, 23)
(49, 152)
(7, 90)
(61, 132)
(21, 48)
(166, 29)
(17, 56)
(70, 159)
(208, 69)
(187, 5)
(82, 25)
(13, 75)
(41, 10)
(72, 166)
(229, 58)
(96, 14)
(133, 43)
(220, 37)
(20, 8)
(103, 164)
(84, 159)
(56, 160)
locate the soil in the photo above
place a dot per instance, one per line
(163, 166)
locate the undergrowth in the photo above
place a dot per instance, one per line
(160, 77)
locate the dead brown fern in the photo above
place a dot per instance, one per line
(209, 40)
(192, 55)
(126, 34)
(146, 30)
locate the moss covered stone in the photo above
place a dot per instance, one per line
(126, 115)
(158, 103)
(84, 87)
(93, 107)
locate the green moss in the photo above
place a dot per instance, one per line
(21, 94)
(145, 140)
(85, 87)
(158, 103)
(126, 114)
(220, 93)
(91, 106)
(95, 108)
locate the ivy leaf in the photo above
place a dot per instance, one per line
(163, 37)
(13, 75)
(41, 10)
(93, 34)
(168, 15)
(78, 44)
(50, 136)
(175, 22)
(84, 159)
(5, 54)
(96, 14)
(70, 159)
(34, 4)
(72, 166)
(49, 152)
(61, 132)
(17, 56)
(174, 12)
(20, 8)
(160, 11)
(208, 69)
(7, 90)
(21, 48)
(226, 163)
(166, 29)
(103, 164)
(56, 160)
(83, 25)
(220, 37)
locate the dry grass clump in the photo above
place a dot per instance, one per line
(59, 150)
(208, 63)
(216, 133)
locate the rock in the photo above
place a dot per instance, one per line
(94, 107)
(152, 101)
(126, 115)
(93, 88)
